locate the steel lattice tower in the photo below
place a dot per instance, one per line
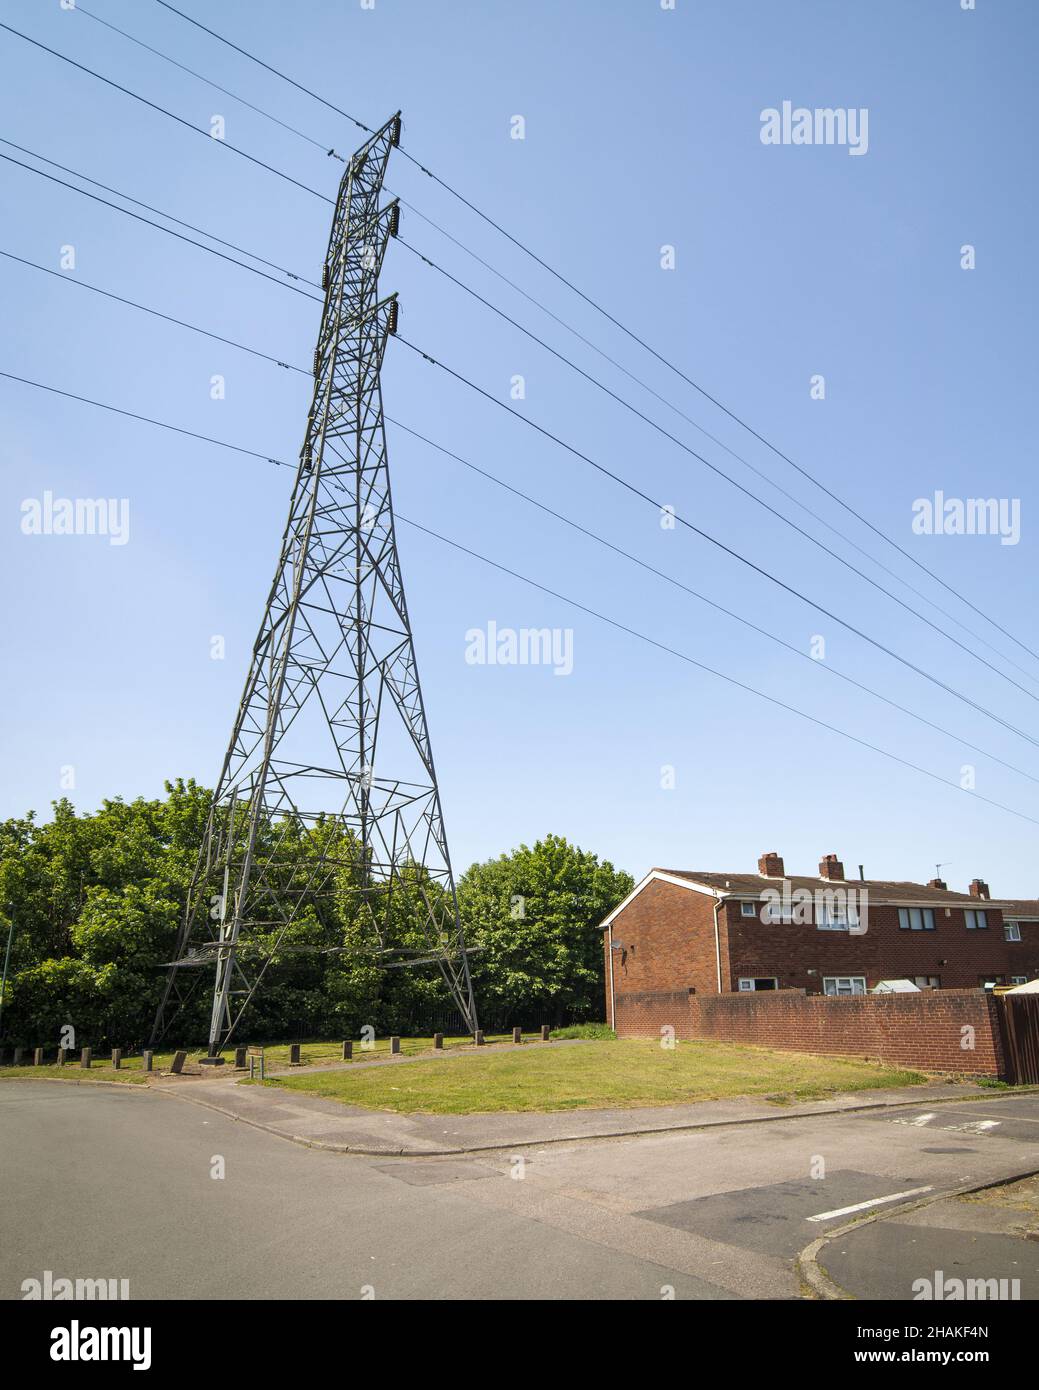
(328, 786)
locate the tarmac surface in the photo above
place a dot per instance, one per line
(189, 1201)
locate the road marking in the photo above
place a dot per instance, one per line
(974, 1127)
(874, 1202)
(920, 1120)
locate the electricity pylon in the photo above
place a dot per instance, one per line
(328, 793)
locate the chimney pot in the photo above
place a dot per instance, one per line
(831, 868)
(937, 883)
(770, 865)
(978, 888)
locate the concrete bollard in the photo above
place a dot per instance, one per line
(85, 1058)
(394, 1045)
(438, 1039)
(63, 1052)
(147, 1061)
(478, 1037)
(37, 1057)
(177, 1065)
(348, 1051)
(117, 1058)
(294, 1055)
(239, 1058)
(18, 1054)
(517, 1035)
(544, 1032)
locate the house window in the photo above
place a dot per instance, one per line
(836, 917)
(916, 918)
(987, 981)
(747, 910)
(1012, 931)
(777, 912)
(749, 984)
(976, 919)
(927, 981)
(1019, 979)
(844, 984)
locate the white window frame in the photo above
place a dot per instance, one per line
(908, 917)
(1019, 979)
(746, 984)
(748, 909)
(1012, 931)
(835, 993)
(927, 978)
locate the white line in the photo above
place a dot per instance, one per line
(875, 1202)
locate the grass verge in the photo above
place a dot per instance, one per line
(627, 1073)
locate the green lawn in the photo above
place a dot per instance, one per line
(631, 1072)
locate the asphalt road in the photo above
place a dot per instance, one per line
(120, 1184)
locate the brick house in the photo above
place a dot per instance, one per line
(684, 932)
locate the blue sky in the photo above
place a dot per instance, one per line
(642, 130)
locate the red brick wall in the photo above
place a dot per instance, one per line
(913, 1030)
(667, 935)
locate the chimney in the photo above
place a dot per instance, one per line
(937, 883)
(831, 868)
(771, 865)
(978, 888)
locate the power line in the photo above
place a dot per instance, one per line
(96, 183)
(541, 506)
(144, 419)
(226, 144)
(814, 540)
(719, 607)
(41, 173)
(156, 313)
(630, 333)
(563, 598)
(630, 487)
(472, 385)
(532, 501)
(702, 666)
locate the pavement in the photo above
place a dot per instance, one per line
(329, 1124)
(189, 1202)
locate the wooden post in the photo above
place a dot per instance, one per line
(544, 1032)
(294, 1055)
(147, 1061)
(63, 1052)
(84, 1058)
(394, 1045)
(478, 1037)
(177, 1065)
(239, 1059)
(18, 1056)
(438, 1039)
(37, 1057)
(517, 1035)
(117, 1057)
(348, 1051)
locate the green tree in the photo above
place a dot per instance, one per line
(534, 916)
